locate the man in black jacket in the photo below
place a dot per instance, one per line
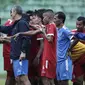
(19, 46)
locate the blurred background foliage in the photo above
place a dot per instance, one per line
(5, 3)
(72, 8)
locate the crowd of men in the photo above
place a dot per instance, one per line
(38, 49)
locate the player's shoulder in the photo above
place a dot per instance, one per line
(52, 24)
(74, 30)
(65, 28)
(8, 22)
(21, 21)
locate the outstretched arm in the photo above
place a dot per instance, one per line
(5, 40)
(28, 33)
(6, 29)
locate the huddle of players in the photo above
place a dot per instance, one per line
(48, 44)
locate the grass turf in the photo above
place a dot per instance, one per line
(2, 81)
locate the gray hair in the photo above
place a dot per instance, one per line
(18, 9)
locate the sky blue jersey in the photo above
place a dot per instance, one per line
(63, 43)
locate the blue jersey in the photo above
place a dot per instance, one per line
(63, 43)
(80, 35)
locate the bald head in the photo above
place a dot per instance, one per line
(49, 13)
(48, 16)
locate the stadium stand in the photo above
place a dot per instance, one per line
(72, 8)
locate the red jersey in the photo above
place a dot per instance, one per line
(49, 51)
(6, 52)
(35, 45)
(6, 47)
(48, 61)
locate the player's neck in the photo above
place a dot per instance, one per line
(60, 26)
(18, 17)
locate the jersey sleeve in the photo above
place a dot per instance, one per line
(68, 34)
(51, 30)
(39, 36)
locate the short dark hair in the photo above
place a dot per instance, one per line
(18, 9)
(29, 12)
(81, 18)
(49, 10)
(38, 13)
(41, 10)
(61, 15)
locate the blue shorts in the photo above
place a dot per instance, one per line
(20, 67)
(64, 69)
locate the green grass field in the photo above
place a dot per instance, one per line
(2, 81)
